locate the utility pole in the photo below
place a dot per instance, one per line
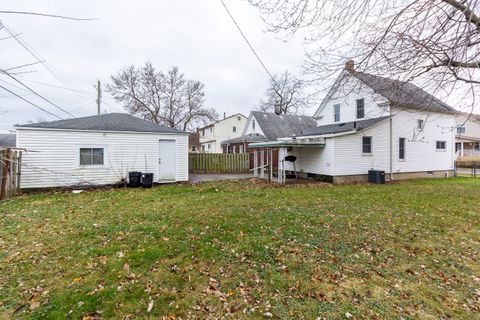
(99, 97)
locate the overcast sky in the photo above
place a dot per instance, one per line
(196, 36)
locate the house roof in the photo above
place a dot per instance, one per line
(276, 126)
(249, 138)
(105, 122)
(403, 94)
(8, 140)
(343, 127)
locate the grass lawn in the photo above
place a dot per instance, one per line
(245, 249)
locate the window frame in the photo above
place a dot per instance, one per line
(335, 108)
(462, 131)
(234, 129)
(253, 125)
(363, 145)
(363, 108)
(420, 124)
(78, 157)
(402, 150)
(444, 144)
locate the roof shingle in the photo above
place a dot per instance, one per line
(276, 126)
(343, 127)
(105, 122)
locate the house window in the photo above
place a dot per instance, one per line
(420, 124)
(241, 149)
(360, 108)
(193, 149)
(234, 129)
(401, 148)
(209, 146)
(203, 148)
(367, 145)
(336, 113)
(203, 132)
(476, 146)
(211, 129)
(91, 156)
(441, 145)
(461, 129)
(253, 125)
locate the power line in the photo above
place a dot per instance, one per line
(46, 15)
(29, 102)
(58, 87)
(36, 93)
(39, 59)
(248, 42)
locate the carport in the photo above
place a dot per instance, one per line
(283, 146)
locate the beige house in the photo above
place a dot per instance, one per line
(467, 139)
(212, 135)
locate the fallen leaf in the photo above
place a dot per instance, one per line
(150, 306)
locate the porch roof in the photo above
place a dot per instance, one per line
(289, 143)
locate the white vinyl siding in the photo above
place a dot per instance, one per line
(52, 156)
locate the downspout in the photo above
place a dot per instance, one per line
(391, 149)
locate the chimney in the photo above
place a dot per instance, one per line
(350, 65)
(224, 115)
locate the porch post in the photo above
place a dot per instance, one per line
(271, 164)
(461, 149)
(262, 163)
(255, 162)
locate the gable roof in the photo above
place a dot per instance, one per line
(105, 122)
(249, 138)
(343, 127)
(8, 140)
(276, 126)
(403, 94)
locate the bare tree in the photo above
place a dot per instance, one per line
(164, 98)
(285, 95)
(433, 42)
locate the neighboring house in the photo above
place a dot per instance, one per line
(7, 141)
(467, 140)
(194, 145)
(100, 150)
(369, 122)
(264, 126)
(212, 135)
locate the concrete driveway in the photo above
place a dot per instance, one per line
(197, 177)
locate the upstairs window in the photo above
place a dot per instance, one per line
(234, 129)
(461, 129)
(253, 125)
(367, 145)
(360, 108)
(336, 113)
(441, 145)
(91, 156)
(211, 129)
(203, 132)
(420, 124)
(401, 148)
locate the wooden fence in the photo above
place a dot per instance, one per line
(218, 162)
(10, 170)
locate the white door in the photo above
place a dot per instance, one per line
(166, 160)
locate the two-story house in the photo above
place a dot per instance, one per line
(467, 140)
(368, 122)
(212, 135)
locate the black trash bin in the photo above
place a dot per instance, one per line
(147, 180)
(134, 179)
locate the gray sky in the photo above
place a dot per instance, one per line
(196, 36)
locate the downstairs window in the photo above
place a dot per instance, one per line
(91, 156)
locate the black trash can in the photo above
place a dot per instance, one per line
(147, 180)
(134, 179)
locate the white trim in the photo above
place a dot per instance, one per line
(90, 146)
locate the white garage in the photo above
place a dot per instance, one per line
(100, 150)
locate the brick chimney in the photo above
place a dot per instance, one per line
(350, 66)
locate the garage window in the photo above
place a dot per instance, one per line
(92, 156)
